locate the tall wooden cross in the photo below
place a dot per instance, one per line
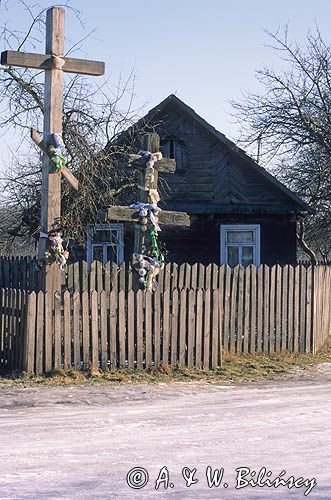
(54, 63)
(151, 143)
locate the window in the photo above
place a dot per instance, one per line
(104, 243)
(240, 244)
(171, 148)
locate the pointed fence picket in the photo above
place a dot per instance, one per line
(22, 273)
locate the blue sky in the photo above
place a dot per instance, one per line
(204, 51)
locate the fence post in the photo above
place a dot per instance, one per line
(40, 333)
(191, 327)
(317, 330)
(174, 328)
(49, 328)
(122, 325)
(182, 328)
(215, 351)
(156, 327)
(148, 329)
(165, 327)
(104, 300)
(303, 307)
(130, 328)
(309, 291)
(206, 331)
(199, 314)
(93, 297)
(140, 321)
(29, 344)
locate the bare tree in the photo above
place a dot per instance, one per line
(291, 122)
(92, 119)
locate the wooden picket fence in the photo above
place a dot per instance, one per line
(250, 310)
(19, 273)
(13, 319)
(22, 273)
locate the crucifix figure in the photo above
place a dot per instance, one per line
(145, 212)
(54, 63)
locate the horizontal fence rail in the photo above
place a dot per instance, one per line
(241, 310)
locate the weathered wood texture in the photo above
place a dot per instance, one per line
(201, 240)
(252, 310)
(37, 139)
(132, 215)
(208, 171)
(320, 306)
(46, 61)
(164, 165)
(51, 182)
(193, 142)
(22, 273)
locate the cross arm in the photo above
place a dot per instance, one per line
(164, 165)
(47, 61)
(132, 215)
(69, 176)
(39, 141)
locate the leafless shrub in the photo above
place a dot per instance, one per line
(291, 121)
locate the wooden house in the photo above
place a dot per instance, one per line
(240, 213)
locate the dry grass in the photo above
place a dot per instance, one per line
(243, 368)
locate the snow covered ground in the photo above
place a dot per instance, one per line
(81, 442)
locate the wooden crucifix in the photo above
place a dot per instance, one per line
(148, 193)
(54, 63)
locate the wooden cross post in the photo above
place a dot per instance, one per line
(54, 64)
(150, 143)
(147, 192)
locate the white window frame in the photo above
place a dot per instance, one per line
(119, 246)
(241, 227)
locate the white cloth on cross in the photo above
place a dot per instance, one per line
(150, 208)
(150, 261)
(60, 148)
(150, 267)
(58, 62)
(153, 156)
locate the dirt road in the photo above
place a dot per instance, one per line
(81, 442)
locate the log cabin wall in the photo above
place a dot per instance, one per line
(194, 177)
(208, 173)
(201, 241)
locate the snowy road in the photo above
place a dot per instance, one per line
(81, 442)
